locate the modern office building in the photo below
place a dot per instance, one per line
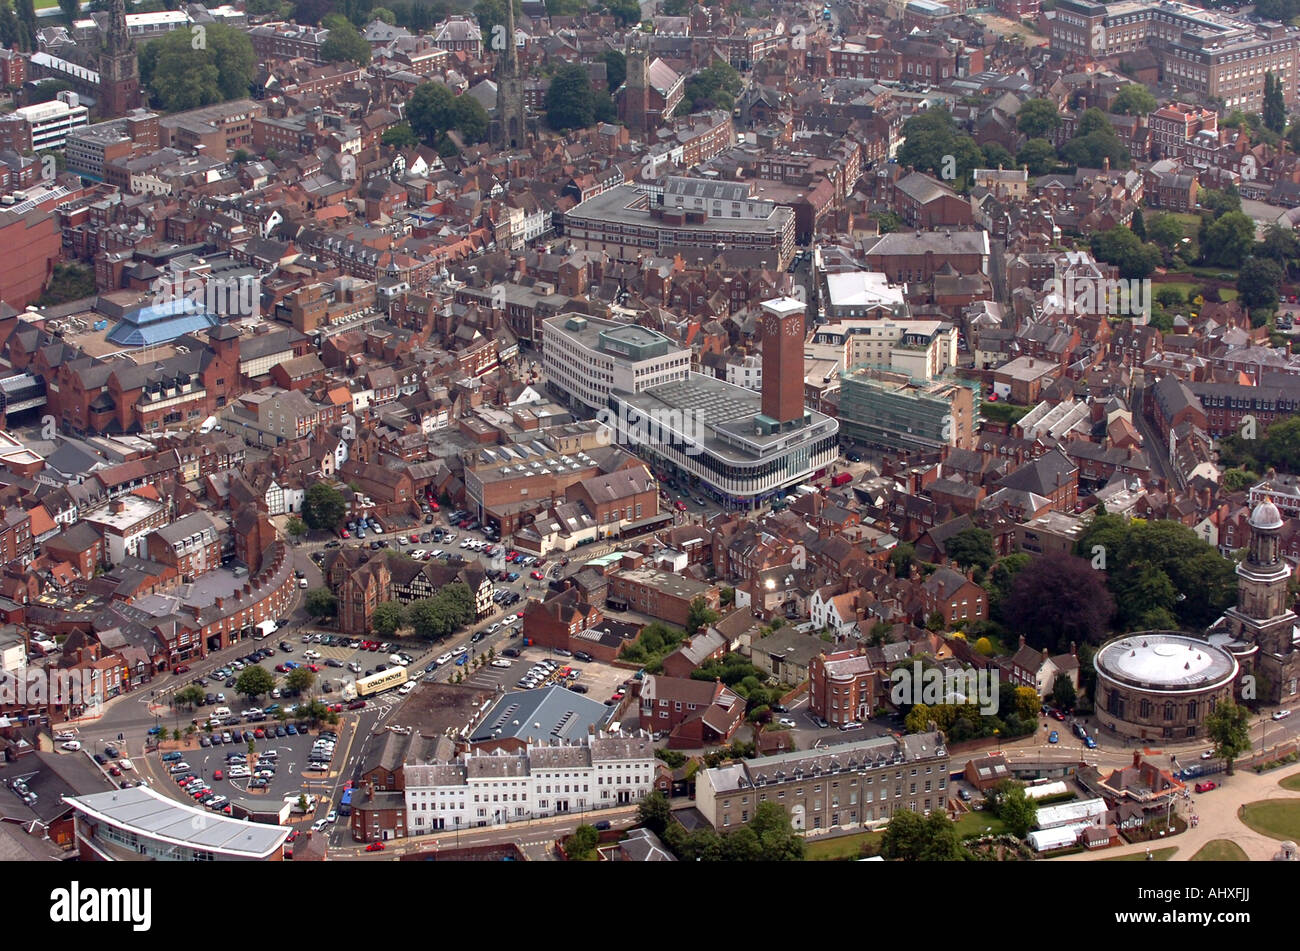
(130, 825)
(43, 126)
(689, 214)
(894, 411)
(845, 787)
(586, 358)
(739, 446)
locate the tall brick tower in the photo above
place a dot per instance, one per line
(634, 104)
(119, 70)
(508, 129)
(783, 332)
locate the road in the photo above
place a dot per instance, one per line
(1156, 448)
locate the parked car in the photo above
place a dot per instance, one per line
(375, 847)
(1281, 714)
(1053, 737)
(1206, 786)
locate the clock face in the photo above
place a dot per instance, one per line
(772, 327)
(792, 328)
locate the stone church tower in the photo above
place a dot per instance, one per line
(634, 104)
(1262, 616)
(119, 70)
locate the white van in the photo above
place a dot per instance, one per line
(396, 660)
(221, 712)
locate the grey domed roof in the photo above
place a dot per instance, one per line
(1266, 516)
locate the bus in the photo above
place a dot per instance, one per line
(378, 683)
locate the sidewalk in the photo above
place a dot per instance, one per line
(1218, 810)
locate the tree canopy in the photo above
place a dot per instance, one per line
(344, 44)
(324, 507)
(714, 87)
(1134, 100)
(1058, 599)
(935, 144)
(1038, 117)
(434, 110)
(912, 837)
(185, 69)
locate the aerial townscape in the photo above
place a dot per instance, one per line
(591, 430)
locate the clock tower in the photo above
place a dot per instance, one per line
(119, 69)
(783, 335)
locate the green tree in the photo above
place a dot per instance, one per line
(400, 137)
(190, 695)
(1121, 247)
(1134, 100)
(296, 527)
(300, 679)
(777, 841)
(615, 69)
(70, 282)
(1228, 726)
(581, 844)
(624, 12)
(1038, 117)
(1016, 810)
(344, 43)
(470, 119)
(320, 603)
(184, 69)
(1165, 230)
(387, 618)
(1228, 240)
(1063, 693)
(71, 9)
(918, 719)
(1039, 155)
(1237, 480)
(997, 156)
(714, 87)
(324, 507)
(901, 557)
(971, 548)
(254, 682)
(1138, 225)
(570, 101)
(654, 812)
(912, 837)
(1258, 282)
(1274, 115)
(701, 615)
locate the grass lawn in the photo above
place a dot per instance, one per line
(1220, 850)
(1291, 782)
(1277, 818)
(840, 847)
(1161, 855)
(974, 823)
(1191, 223)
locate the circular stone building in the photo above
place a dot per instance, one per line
(1161, 684)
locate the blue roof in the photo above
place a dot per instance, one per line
(161, 323)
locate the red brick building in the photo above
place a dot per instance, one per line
(843, 687)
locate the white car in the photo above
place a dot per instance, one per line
(407, 687)
(443, 658)
(333, 817)
(418, 553)
(238, 772)
(126, 764)
(1281, 714)
(71, 746)
(311, 654)
(502, 663)
(354, 667)
(318, 825)
(65, 735)
(786, 721)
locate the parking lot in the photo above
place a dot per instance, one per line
(282, 765)
(600, 680)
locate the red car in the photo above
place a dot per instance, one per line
(182, 669)
(433, 505)
(314, 668)
(259, 733)
(536, 575)
(292, 836)
(375, 847)
(357, 705)
(1206, 786)
(217, 774)
(414, 537)
(1058, 715)
(114, 771)
(343, 532)
(679, 505)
